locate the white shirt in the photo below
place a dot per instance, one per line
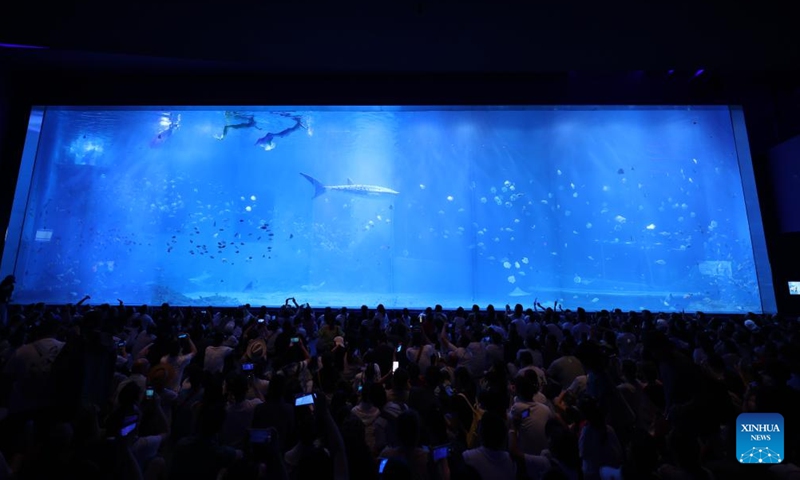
(424, 359)
(490, 464)
(531, 430)
(29, 367)
(521, 324)
(178, 364)
(532, 329)
(214, 360)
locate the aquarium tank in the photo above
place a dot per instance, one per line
(600, 207)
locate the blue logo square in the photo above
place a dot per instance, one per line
(759, 438)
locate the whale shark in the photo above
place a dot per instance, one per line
(352, 188)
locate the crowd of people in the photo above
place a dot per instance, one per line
(113, 391)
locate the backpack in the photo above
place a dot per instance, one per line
(472, 438)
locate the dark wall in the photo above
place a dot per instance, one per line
(424, 35)
(13, 123)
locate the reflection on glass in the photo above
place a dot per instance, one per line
(596, 207)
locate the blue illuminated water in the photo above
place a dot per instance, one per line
(595, 207)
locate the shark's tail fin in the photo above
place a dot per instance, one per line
(319, 188)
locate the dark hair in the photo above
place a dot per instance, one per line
(527, 385)
(129, 395)
(277, 387)
(377, 396)
(211, 418)
(400, 379)
(433, 376)
(642, 456)
(397, 468)
(174, 348)
(563, 443)
(370, 372)
(237, 386)
(629, 370)
(525, 358)
(492, 430)
(408, 428)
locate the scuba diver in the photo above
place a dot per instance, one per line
(267, 143)
(236, 121)
(170, 124)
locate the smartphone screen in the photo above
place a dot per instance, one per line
(441, 452)
(304, 400)
(149, 392)
(247, 367)
(260, 320)
(395, 366)
(259, 436)
(382, 464)
(399, 347)
(526, 413)
(449, 390)
(182, 336)
(128, 424)
(295, 339)
(360, 387)
(126, 430)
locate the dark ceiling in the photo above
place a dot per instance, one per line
(309, 52)
(421, 36)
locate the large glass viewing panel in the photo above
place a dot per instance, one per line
(600, 207)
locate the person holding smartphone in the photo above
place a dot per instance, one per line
(178, 358)
(239, 410)
(420, 351)
(529, 416)
(139, 406)
(215, 355)
(296, 365)
(327, 333)
(407, 447)
(306, 459)
(368, 413)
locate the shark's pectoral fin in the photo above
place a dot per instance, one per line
(349, 182)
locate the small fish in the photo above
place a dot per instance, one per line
(621, 171)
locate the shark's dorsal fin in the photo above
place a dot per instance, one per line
(349, 182)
